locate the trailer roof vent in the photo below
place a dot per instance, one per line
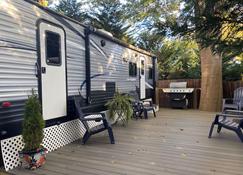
(105, 32)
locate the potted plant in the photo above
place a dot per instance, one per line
(120, 108)
(33, 154)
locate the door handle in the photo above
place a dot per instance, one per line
(37, 70)
(43, 70)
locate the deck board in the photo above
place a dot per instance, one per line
(173, 143)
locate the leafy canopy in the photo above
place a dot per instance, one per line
(215, 23)
(179, 59)
(72, 9)
(109, 15)
(106, 14)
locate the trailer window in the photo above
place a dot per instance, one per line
(132, 69)
(150, 73)
(53, 49)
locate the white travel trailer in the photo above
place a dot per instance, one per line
(59, 57)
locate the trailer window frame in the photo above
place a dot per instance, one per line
(59, 63)
(150, 73)
(132, 69)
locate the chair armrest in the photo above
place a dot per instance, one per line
(150, 101)
(227, 100)
(234, 112)
(147, 100)
(229, 115)
(99, 113)
(99, 117)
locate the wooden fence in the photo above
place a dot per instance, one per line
(163, 100)
(229, 87)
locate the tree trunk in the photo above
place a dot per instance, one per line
(211, 80)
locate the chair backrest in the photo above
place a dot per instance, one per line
(134, 95)
(78, 101)
(238, 95)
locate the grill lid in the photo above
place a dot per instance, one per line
(178, 87)
(178, 84)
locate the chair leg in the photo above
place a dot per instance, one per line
(219, 129)
(86, 137)
(145, 114)
(154, 113)
(140, 114)
(110, 132)
(134, 115)
(240, 134)
(211, 130)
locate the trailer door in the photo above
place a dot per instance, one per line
(142, 78)
(53, 71)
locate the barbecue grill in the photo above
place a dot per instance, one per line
(178, 93)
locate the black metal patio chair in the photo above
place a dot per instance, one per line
(137, 108)
(229, 119)
(97, 117)
(141, 106)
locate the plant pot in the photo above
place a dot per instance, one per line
(120, 118)
(33, 159)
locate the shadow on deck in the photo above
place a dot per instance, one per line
(173, 143)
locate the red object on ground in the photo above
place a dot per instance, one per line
(6, 104)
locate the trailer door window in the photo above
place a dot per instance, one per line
(53, 48)
(142, 67)
(150, 75)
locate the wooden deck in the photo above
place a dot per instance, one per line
(173, 143)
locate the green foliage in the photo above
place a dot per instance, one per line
(120, 105)
(72, 9)
(153, 15)
(179, 59)
(33, 124)
(149, 41)
(109, 15)
(214, 23)
(232, 70)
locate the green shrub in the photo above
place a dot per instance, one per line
(120, 105)
(33, 124)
